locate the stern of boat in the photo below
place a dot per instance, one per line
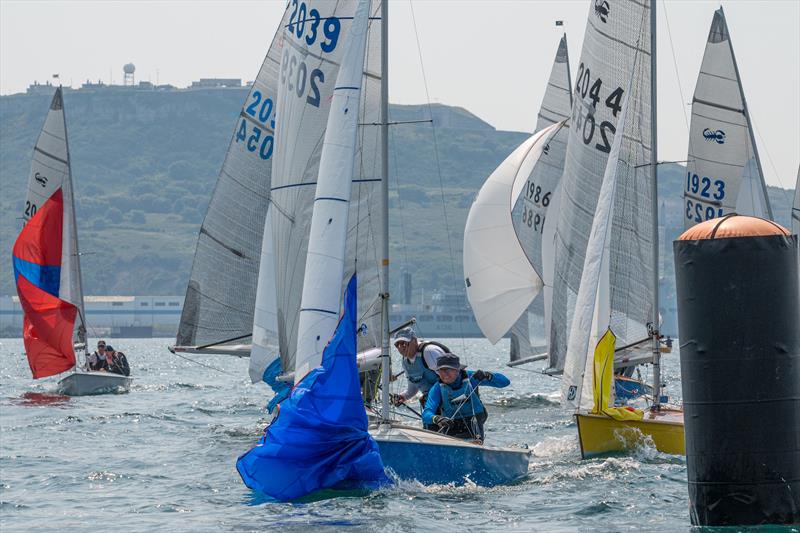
(600, 434)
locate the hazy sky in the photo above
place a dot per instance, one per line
(492, 58)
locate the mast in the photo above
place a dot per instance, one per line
(569, 76)
(386, 358)
(747, 118)
(654, 205)
(81, 311)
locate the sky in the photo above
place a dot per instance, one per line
(490, 57)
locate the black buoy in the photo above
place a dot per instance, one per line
(739, 322)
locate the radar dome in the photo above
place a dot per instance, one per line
(129, 68)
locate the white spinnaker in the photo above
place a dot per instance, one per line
(616, 47)
(265, 318)
(325, 259)
(222, 289)
(309, 70)
(51, 171)
(592, 316)
(501, 282)
(723, 172)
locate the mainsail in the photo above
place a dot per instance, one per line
(616, 46)
(503, 234)
(220, 297)
(46, 261)
(312, 53)
(723, 170)
(327, 243)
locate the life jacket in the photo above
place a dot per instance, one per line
(453, 398)
(424, 344)
(419, 374)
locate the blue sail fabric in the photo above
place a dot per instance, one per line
(280, 388)
(319, 439)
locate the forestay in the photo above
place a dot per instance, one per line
(220, 297)
(723, 172)
(616, 46)
(321, 298)
(312, 43)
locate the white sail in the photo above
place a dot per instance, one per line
(615, 48)
(312, 42)
(723, 171)
(325, 259)
(593, 304)
(265, 348)
(51, 172)
(501, 282)
(221, 294)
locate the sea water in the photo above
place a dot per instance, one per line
(163, 457)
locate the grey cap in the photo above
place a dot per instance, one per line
(405, 334)
(448, 360)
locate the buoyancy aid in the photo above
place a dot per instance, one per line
(419, 374)
(456, 394)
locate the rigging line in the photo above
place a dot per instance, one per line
(438, 169)
(784, 190)
(204, 365)
(675, 65)
(403, 241)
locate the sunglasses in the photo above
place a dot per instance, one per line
(401, 344)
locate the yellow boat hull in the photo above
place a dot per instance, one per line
(600, 434)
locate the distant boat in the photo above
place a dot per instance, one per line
(723, 171)
(47, 268)
(328, 214)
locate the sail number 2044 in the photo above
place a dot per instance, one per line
(583, 115)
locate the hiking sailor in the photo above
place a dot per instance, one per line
(456, 394)
(419, 365)
(115, 362)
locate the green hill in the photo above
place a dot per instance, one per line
(145, 163)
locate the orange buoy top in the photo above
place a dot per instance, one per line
(733, 225)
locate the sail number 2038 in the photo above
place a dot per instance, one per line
(583, 115)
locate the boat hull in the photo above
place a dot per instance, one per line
(600, 434)
(90, 383)
(431, 458)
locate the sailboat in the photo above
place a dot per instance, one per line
(47, 268)
(317, 233)
(510, 230)
(724, 173)
(504, 233)
(605, 292)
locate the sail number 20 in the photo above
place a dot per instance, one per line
(260, 109)
(583, 116)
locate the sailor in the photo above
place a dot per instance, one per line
(94, 361)
(456, 394)
(419, 365)
(116, 362)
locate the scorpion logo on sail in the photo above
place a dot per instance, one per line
(42, 179)
(717, 136)
(601, 9)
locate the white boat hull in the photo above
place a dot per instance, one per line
(89, 383)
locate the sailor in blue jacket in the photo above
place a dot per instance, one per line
(456, 394)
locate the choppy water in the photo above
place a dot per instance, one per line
(163, 457)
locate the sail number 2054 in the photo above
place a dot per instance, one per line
(261, 110)
(583, 115)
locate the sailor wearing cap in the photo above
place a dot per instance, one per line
(456, 394)
(419, 365)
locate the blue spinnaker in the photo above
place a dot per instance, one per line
(319, 439)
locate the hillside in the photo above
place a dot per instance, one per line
(145, 163)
